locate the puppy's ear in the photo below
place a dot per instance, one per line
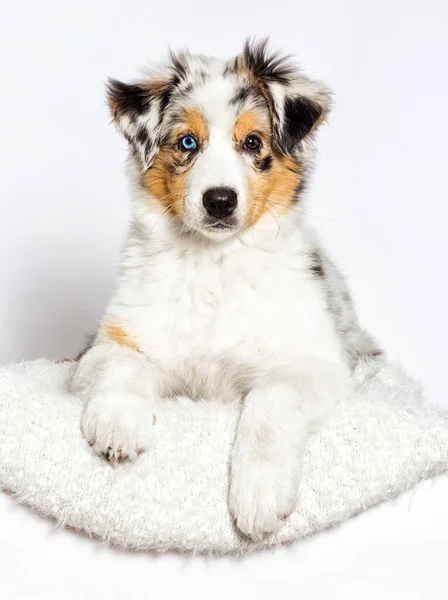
(298, 110)
(298, 104)
(136, 110)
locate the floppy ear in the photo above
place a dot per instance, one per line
(136, 110)
(298, 105)
(298, 110)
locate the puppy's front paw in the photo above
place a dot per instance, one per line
(118, 426)
(261, 496)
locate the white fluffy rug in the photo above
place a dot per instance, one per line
(380, 443)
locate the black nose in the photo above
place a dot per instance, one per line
(220, 202)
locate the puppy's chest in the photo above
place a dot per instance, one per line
(195, 310)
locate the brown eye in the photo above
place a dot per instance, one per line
(252, 142)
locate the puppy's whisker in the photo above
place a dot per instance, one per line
(169, 207)
(275, 217)
(289, 207)
(277, 221)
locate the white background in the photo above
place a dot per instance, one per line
(379, 198)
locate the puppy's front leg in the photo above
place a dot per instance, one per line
(270, 444)
(120, 388)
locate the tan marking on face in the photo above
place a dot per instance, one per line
(250, 121)
(118, 335)
(194, 122)
(166, 179)
(272, 191)
(164, 184)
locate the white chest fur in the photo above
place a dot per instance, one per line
(211, 317)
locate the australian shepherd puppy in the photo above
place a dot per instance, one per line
(223, 290)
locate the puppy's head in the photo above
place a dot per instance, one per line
(220, 145)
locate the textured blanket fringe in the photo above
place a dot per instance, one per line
(380, 443)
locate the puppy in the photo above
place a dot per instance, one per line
(223, 290)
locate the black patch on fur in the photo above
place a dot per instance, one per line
(167, 93)
(89, 345)
(299, 117)
(187, 89)
(142, 135)
(300, 113)
(180, 68)
(231, 67)
(303, 182)
(264, 164)
(128, 137)
(244, 93)
(165, 97)
(266, 65)
(130, 99)
(135, 100)
(180, 65)
(316, 266)
(149, 148)
(165, 140)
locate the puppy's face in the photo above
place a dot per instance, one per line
(221, 145)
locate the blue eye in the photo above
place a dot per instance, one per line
(187, 143)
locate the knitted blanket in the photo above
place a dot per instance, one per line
(379, 443)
